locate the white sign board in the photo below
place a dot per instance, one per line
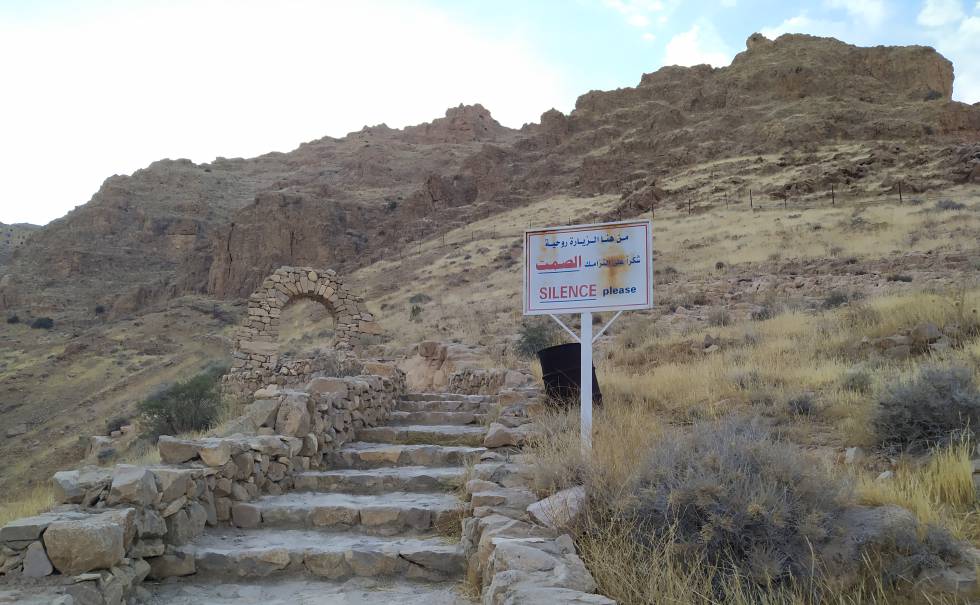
(588, 268)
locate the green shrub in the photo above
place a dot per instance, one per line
(13, 319)
(835, 299)
(763, 313)
(857, 380)
(415, 314)
(537, 333)
(729, 493)
(803, 404)
(115, 423)
(947, 205)
(419, 299)
(192, 405)
(899, 277)
(42, 323)
(935, 406)
(99, 309)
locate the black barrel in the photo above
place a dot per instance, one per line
(561, 371)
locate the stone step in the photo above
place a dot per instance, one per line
(479, 407)
(423, 418)
(307, 591)
(446, 397)
(260, 553)
(382, 514)
(360, 454)
(379, 480)
(438, 434)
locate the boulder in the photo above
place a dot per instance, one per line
(559, 510)
(133, 485)
(176, 451)
(245, 515)
(171, 565)
(263, 412)
(215, 452)
(81, 545)
(293, 418)
(71, 487)
(36, 562)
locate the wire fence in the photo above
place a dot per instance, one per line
(746, 200)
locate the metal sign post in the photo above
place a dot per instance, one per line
(587, 269)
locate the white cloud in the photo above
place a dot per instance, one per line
(803, 24)
(729, 3)
(638, 20)
(937, 13)
(110, 90)
(962, 46)
(648, 37)
(638, 12)
(700, 44)
(870, 12)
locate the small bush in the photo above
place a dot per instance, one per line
(115, 423)
(763, 313)
(947, 205)
(42, 323)
(719, 265)
(803, 404)
(536, 334)
(857, 380)
(13, 319)
(935, 406)
(899, 277)
(99, 309)
(720, 317)
(835, 299)
(730, 494)
(192, 405)
(415, 314)
(419, 299)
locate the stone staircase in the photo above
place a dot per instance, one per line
(377, 527)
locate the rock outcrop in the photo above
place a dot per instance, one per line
(177, 227)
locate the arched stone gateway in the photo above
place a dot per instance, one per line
(256, 356)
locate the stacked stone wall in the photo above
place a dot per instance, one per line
(256, 357)
(114, 527)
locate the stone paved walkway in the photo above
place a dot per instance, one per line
(364, 532)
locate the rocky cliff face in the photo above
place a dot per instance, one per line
(217, 228)
(13, 237)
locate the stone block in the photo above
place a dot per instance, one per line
(77, 546)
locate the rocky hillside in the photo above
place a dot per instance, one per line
(13, 237)
(178, 228)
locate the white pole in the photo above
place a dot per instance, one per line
(586, 383)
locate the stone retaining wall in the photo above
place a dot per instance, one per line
(516, 546)
(114, 527)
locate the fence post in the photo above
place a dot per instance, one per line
(688, 206)
(833, 201)
(900, 200)
(751, 203)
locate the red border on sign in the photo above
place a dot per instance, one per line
(649, 285)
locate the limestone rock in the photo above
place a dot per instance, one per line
(36, 562)
(293, 418)
(132, 485)
(78, 546)
(176, 451)
(171, 565)
(72, 486)
(560, 509)
(263, 412)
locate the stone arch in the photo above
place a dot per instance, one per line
(256, 355)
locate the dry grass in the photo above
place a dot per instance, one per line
(939, 492)
(34, 501)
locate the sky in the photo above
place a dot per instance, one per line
(89, 89)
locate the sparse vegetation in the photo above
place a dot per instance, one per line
(536, 333)
(949, 205)
(42, 323)
(99, 309)
(835, 299)
(936, 405)
(13, 319)
(192, 405)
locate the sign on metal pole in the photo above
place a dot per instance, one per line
(586, 269)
